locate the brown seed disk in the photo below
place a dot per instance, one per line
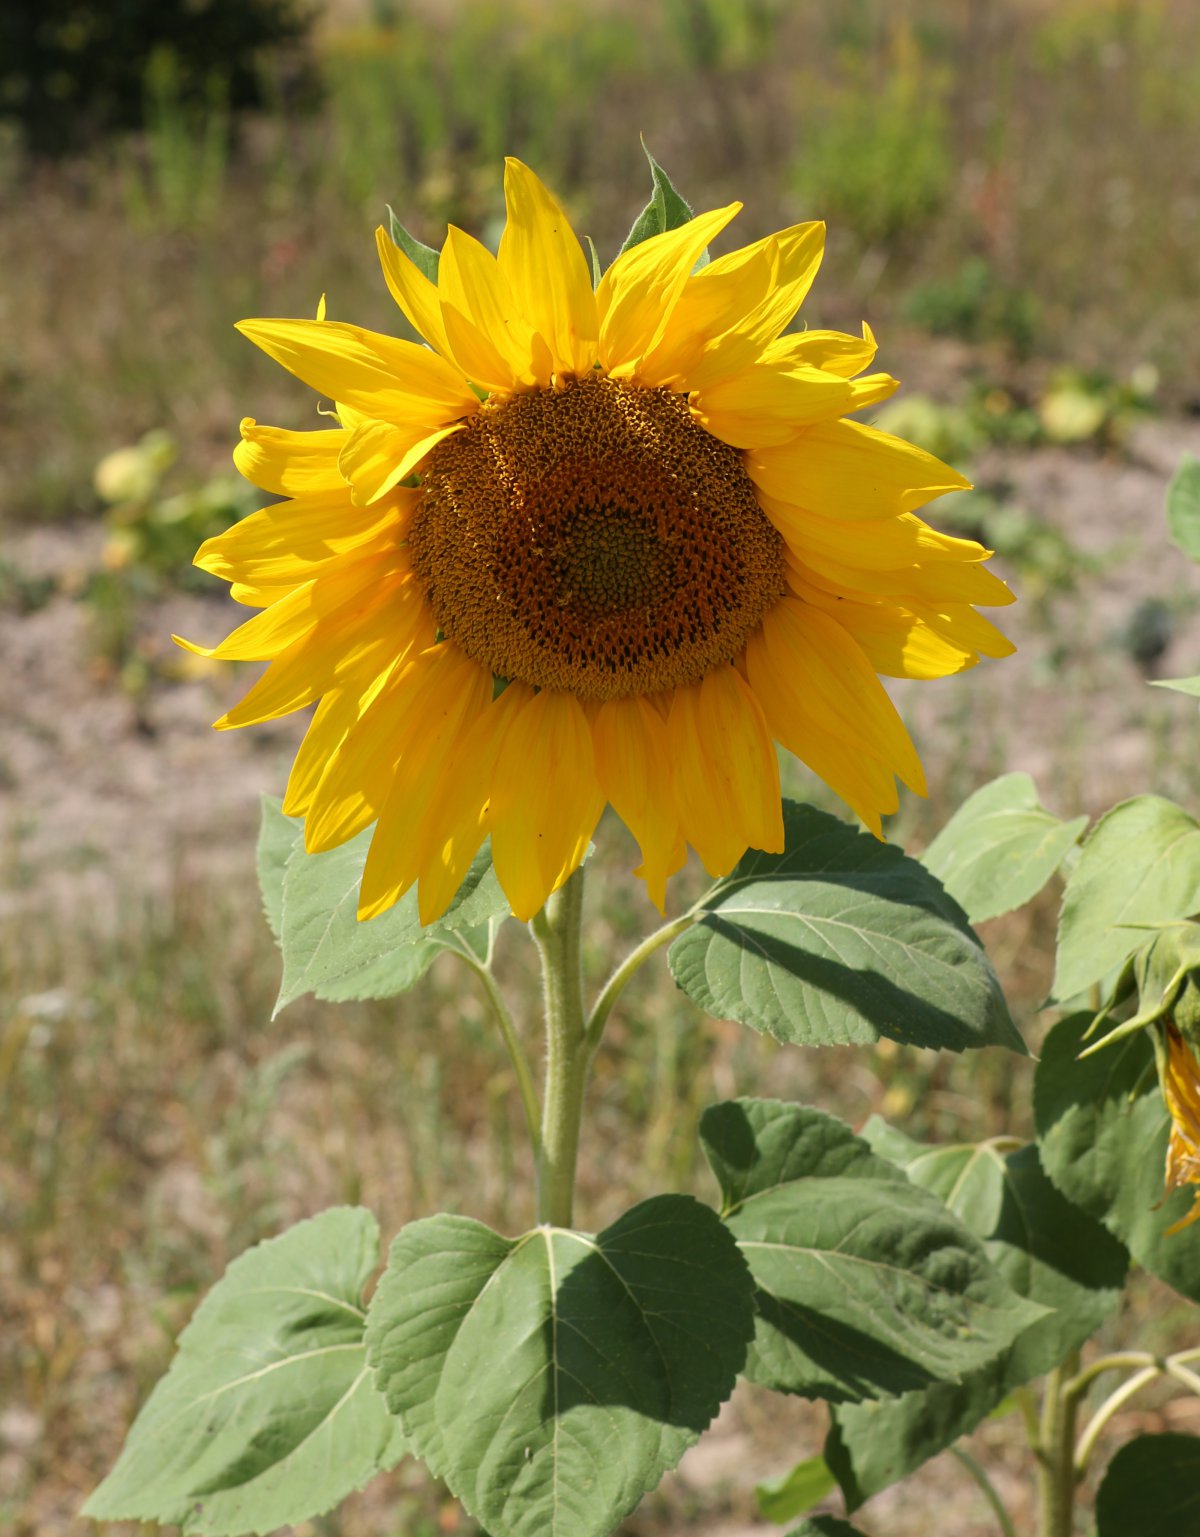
(594, 539)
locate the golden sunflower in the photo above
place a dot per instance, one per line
(588, 547)
(1180, 1073)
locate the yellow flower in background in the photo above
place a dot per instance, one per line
(641, 509)
(1181, 1090)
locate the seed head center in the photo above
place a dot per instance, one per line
(594, 539)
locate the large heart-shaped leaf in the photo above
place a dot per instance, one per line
(1139, 867)
(552, 1379)
(1183, 506)
(1103, 1131)
(1000, 848)
(867, 1285)
(1151, 1488)
(1046, 1249)
(268, 1414)
(840, 940)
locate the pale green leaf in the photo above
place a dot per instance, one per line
(666, 210)
(1179, 685)
(867, 1286)
(1102, 1132)
(1183, 506)
(1000, 848)
(1151, 1488)
(423, 257)
(277, 837)
(840, 940)
(781, 1499)
(1139, 866)
(327, 951)
(268, 1414)
(552, 1379)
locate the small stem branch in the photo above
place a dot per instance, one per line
(1079, 1384)
(988, 1488)
(1174, 1368)
(1115, 1400)
(1055, 1453)
(557, 929)
(512, 1042)
(615, 985)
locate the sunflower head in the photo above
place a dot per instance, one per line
(1179, 1074)
(587, 546)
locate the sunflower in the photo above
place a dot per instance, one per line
(1180, 1076)
(588, 547)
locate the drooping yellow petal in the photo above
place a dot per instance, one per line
(492, 340)
(769, 403)
(834, 351)
(376, 456)
(545, 800)
(844, 469)
(290, 463)
(706, 316)
(725, 772)
(633, 764)
(844, 696)
(897, 642)
(932, 581)
(291, 542)
(639, 291)
(458, 817)
(416, 296)
(338, 710)
(869, 390)
(384, 377)
(547, 271)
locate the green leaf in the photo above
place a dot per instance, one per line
(268, 1415)
(1180, 685)
(839, 940)
(1046, 1249)
(1000, 848)
(327, 951)
(867, 1286)
(824, 1526)
(665, 210)
(1183, 506)
(277, 837)
(1151, 1488)
(552, 1379)
(779, 1499)
(1140, 866)
(423, 257)
(1102, 1131)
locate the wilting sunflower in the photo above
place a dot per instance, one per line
(589, 547)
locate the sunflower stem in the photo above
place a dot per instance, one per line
(613, 988)
(1056, 1454)
(557, 929)
(512, 1041)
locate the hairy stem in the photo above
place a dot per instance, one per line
(613, 988)
(1056, 1454)
(557, 929)
(1115, 1400)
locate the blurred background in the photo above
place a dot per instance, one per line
(1013, 197)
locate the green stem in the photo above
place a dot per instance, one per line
(512, 1042)
(988, 1488)
(613, 988)
(1115, 1400)
(557, 929)
(1056, 1454)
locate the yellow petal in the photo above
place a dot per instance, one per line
(725, 772)
(633, 764)
(547, 271)
(847, 470)
(346, 650)
(290, 463)
(492, 340)
(291, 542)
(331, 720)
(639, 291)
(933, 581)
(896, 641)
(767, 403)
(459, 815)
(834, 351)
(870, 390)
(388, 379)
(417, 297)
(844, 696)
(376, 456)
(545, 800)
(713, 301)
(877, 544)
